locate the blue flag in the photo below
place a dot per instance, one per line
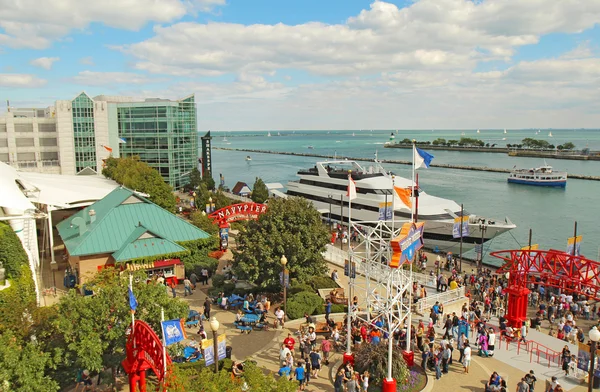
(422, 158)
(173, 331)
(133, 304)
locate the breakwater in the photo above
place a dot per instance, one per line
(525, 153)
(394, 161)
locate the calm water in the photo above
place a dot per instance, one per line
(550, 213)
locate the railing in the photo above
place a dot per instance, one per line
(238, 197)
(424, 279)
(443, 298)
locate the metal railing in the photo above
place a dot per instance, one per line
(424, 304)
(424, 279)
(238, 197)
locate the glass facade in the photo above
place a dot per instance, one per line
(163, 134)
(84, 132)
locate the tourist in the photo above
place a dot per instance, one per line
(289, 342)
(238, 368)
(491, 342)
(522, 386)
(193, 279)
(315, 362)
(172, 285)
(207, 303)
(334, 276)
(523, 333)
(289, 359)
(467, 357)
(425, 356)
(437, 359)
(326, 349)
(565, 358)
(530, 380)
(554, 385)
(420, 334)
(365, 381)
(312, 337)
(284, 370)
(86, 381)
(493, 383)
(352, 384)
(446, 357)
(187, 285)
(279, 315)
(328, 309)
(338, 384)
(204, 274)
(224, 302)
(283, 352)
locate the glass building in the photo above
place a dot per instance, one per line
(162, 133)
(84, 135)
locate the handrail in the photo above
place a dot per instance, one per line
(443, 298)
(531, 346)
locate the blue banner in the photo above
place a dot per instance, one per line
(221, 346)
(208, 352)
(456, 229)
(173, 331)
(133, 303)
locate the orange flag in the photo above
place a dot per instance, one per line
(109, 149)
(404, 194)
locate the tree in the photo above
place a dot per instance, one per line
(260, 192)
(94, 327)
(195, 178)
(566, 146)
(203, 222)
(139, 176)
(23, 366)
(439, 142)
(535, 144)
(452, 143)
(290, 227)
(405, 141)
(208, 181)
(374, 358)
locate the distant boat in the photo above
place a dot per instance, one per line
(462, 134)
(310, 147)
(353, 134)
(396, 131)
(539, 176)
(550, 134)
(478, 131)
(505, 131)
(278, 133)
(269, 134)
(248, 158)
(225, 139)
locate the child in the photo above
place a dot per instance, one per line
(300, 375)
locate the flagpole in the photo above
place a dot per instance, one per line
(412, 194)
(349, 322)
(164, 342)
(132, 312)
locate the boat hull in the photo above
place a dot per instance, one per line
(553, 183)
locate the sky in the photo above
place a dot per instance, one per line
(308, 64)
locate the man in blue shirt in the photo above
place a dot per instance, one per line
(285, 370)
(327, 309)
(300, 375)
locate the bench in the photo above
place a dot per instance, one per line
(323, 327)
(191, 323)
(244, 329)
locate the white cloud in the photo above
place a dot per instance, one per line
(428, 34)
(20, 80)
(91, 78)
(89, 60)
(35, 24)
(581, 51)
(44, 62)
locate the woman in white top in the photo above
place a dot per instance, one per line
(467, 357)
(365, 380)
(491, 342)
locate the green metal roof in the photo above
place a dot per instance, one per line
(116, 216)
(143, 243)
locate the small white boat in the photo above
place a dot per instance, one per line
(550, 134)
(278, 133)
(310, 147)
(463, 134)
(353, 134)
(505, 131)
(478, 131)
(269, 134)
(248, 158)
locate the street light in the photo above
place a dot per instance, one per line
(283, 262)
(329, 216)
(594, 335)
(482, 227)
(214, 326)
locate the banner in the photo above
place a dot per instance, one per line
(221, 346)
(532, 247)
(571, 241)
(350, 269)
(456, 229)
(284, 278)
(385, 211)
(173, 331)
(406, 245)
(208, 352)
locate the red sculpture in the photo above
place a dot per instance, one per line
(144, 352)
(555, 268)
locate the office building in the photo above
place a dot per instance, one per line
(75, 136)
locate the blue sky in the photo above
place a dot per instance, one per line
(301, 64)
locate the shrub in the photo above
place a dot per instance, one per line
(16, 303)
(322, 282)
(298, 288)
(296, 310)
(218, 281)
(335, 308)
(224, 364)
(374, 358)
(303, 302)
(12, 254)
(228, 288)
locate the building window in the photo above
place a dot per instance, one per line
(25, 142)
(3, 142)
(24, 127)
(3, 157)
(49, 156)
(84, 133)
(2, 128)
(26, 156)
(48, 142)
(47, 127)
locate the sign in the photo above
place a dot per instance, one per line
(224, 235)
(173, 331)
(385, 211)
(350, 269)
(574, 241)
(221, 346)
(583, 357)
(152, 264)
(237, 212)
(206, 154)
(532, 247)
(456, 229)
(284, 278)
(208, 352)
(406, 245)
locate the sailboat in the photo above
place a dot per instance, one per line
(225, 139)
(478, 131)
(505, 131)
(353, 134)
(269, 134)
(462, 134)
(550, 134)
(278, 133)
(396, 131)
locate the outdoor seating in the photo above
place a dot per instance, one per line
(191, 354)
(244, 329)
(323, 327)
(191, 323)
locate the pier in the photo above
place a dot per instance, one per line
(396, 161)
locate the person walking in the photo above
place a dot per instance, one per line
(187, 285)
(193, 279)
(315, 362)
(530, 380)
(300, 375)
(524, 333)
(467, 357)
(326, 349)
(172, 285)
(207, 303)
(338, 384)
(522, 386)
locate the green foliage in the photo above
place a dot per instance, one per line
(260, 192)
(451, 143)
(203, 222)
(224, 364)
(208, 181)
(405, 141)
(439, 142)
(93, 327)
(335, 308)
(228, 288)
(218, 280)
(374, 358)
(195, 178)
(17, 302)
(470, 142)
(198, 257)
(303, 302)
(566, 146)
(23, 366)
(322, 282)
(139, 176)
(535, 143)
(193, 379)
(12, 254)
(298, 288)
(290, 227)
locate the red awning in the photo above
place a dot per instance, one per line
(165, 263)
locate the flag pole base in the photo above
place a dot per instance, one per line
(389, 385)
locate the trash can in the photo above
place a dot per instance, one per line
(409, 358)
(596, 383)
(228, 352)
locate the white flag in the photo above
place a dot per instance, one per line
(351, 189)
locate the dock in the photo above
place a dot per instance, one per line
(396, 161)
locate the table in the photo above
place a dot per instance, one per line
(250, 319)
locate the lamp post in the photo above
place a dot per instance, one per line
(214, 326)
(283, 262)
(329, 216)
(482, 228)
(594, 335)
